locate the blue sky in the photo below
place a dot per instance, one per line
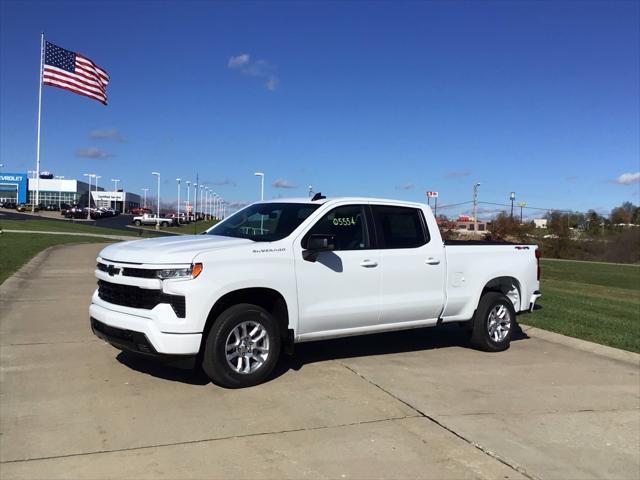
(355, 98)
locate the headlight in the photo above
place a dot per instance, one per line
(180, 273)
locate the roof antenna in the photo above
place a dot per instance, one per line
(318, 196)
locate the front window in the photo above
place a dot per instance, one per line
(264, 222)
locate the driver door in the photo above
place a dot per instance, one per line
(341, 289)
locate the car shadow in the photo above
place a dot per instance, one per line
(405, 341)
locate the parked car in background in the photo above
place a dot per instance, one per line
(25, 207)
(139, 211)
(9, 205)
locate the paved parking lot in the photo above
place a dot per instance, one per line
(410, 404)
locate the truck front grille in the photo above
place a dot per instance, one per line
(135, 297)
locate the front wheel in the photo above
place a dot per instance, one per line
(242, 347)
(493, 322)
(137, 222)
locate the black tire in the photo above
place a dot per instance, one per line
(137, 222)
(480, 336)
(214, 361)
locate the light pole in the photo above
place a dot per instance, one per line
(512, 197)
(475, 204)
(115, 184)
(1, 165)
(178, 180)
(145, 190)
(310, 187)
(188, 198)
(158, 212)
(195, 203)
(206, 200)
(261, 175)
(59, 190)
(89, 175)
(201, 196)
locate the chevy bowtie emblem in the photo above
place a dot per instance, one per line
(111, 270)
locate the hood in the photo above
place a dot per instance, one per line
(168, 250)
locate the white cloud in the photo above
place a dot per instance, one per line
(224, 183)
(107, 134)
(92, 152)
(239, 60)
(628, 178)
(257, 68)
(282, 183)
(405, 186)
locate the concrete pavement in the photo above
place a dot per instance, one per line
(406, 404)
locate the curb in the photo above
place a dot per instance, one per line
(595, 348)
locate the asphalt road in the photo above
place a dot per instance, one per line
(415, 404)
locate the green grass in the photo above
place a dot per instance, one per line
(595, 302)
(44, 225)
(16, 249)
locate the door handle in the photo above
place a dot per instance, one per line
(368, 263)
(432, 261)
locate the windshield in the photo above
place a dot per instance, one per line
(264, 222)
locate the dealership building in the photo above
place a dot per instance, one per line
(19, 188)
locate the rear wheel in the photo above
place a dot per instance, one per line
(493, 322)
(242, 347)
(137, 222)
(165, 224)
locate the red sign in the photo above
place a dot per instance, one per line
(432, 194)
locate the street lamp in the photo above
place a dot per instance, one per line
(512, 197)
(201, 196)
(89, 175)
(59, 190)
(115, 184)
(158, 212)
(310, 187)
(178, 180)
(195, 202)
(188, 198)
(261, 175)
(1, 165)
(145, 190)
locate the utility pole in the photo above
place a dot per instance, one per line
(178, 180)
(475, 204)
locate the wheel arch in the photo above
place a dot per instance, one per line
(267, 298)
(508, 286)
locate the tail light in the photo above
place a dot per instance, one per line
(538, 256)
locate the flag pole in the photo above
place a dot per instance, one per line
(37, 199)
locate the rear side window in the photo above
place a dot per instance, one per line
(400, 227)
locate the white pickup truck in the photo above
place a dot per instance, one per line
(286, 271)
(152, 219)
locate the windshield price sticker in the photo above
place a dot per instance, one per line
(344, 221)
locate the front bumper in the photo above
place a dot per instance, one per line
(140, 335)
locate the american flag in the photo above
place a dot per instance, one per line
(74, 72)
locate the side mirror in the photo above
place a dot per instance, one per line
(318, 243)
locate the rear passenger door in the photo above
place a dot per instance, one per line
(412, 265)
